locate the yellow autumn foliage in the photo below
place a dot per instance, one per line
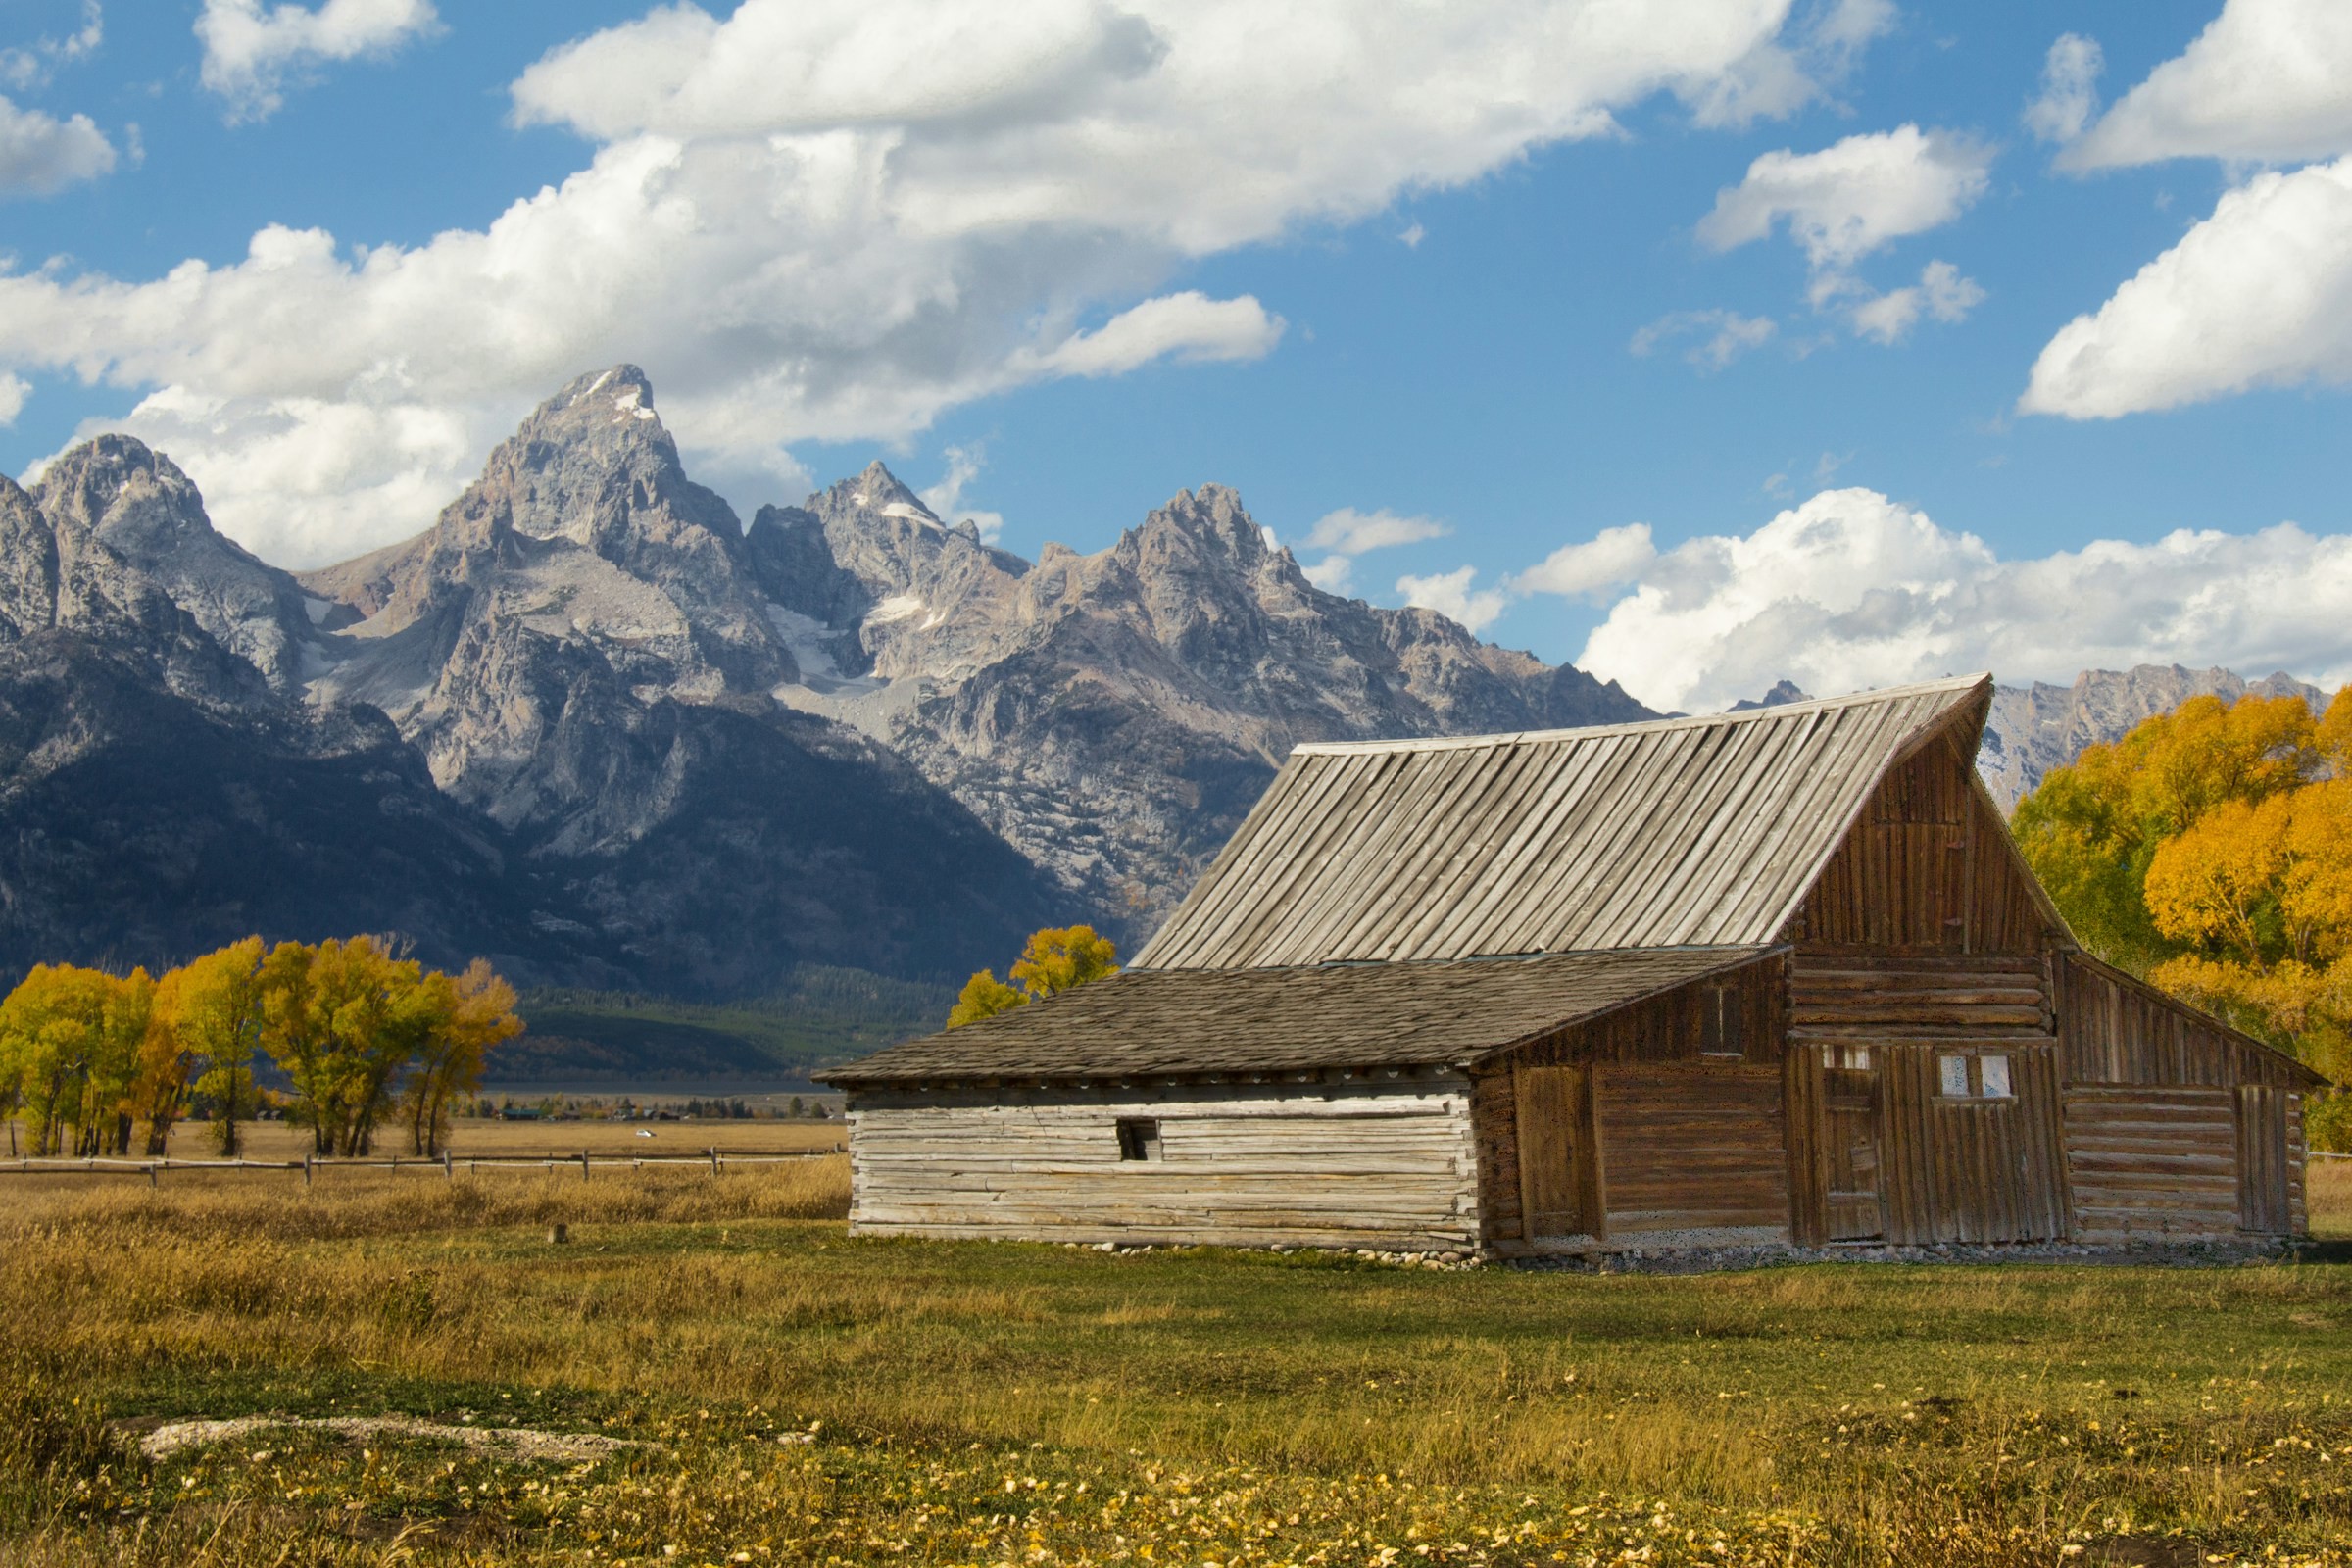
(2211, 851)
(1052, 960)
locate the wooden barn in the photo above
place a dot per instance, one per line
(1776, 976)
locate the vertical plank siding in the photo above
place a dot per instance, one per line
(1929, 865)
(2263, 1205)
(1387, 1165)
(2121, 1031)
(1686, 1081)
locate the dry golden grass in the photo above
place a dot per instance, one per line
(2329, 1191)
(1011, 1403)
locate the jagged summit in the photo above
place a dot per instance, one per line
(695, 752)
(878, 492)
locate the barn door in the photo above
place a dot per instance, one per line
(1850, 1137)
(2262, 1203)
(1553, 1152)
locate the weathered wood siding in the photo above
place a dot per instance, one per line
(1922, 940)
(1942, 1169)
(2150, 1161)
(1856, 994)
(1928, 865)
(1693, 1154)
(1385, 1164)
(2176, 1126)
(2119, 1031)
(1674, 1116)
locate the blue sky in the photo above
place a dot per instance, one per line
(1453, 285)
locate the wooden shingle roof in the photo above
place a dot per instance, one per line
(1147, 1023)
(1691, 832)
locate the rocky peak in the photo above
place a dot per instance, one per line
(1210, 521)
(593, 465)
(877, 491)
(926, 599)
(134, 503)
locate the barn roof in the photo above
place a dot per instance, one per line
(1146, 1022)
(1686, 832)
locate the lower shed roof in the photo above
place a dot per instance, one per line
(1181, 1022)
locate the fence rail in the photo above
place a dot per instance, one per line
(715, 1160)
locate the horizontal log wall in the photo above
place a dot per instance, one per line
(2152, 1161)
(1383, 1163)
(1864, 994)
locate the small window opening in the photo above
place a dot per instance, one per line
(1973, 1077)
(1719, 1033)
(1139, 1138)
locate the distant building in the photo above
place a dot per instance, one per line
(1775, 976)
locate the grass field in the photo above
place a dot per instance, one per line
(805, 1398)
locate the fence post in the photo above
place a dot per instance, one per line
(151, 1176)
(448, 1171)
(306, 1170)
(714, 1159)
(583, 1165)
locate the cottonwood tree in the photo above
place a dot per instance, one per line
(211, 1012)
(1052, 960)
(2210, 851)
(70, 1044)
(472, 1013)
(355, 1027)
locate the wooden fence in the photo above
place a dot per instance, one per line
(446, 1166)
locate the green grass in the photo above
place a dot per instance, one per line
(1007, 1403)
(821, 1016)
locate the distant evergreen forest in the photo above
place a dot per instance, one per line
(820, 1014)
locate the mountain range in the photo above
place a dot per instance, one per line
(592, 725)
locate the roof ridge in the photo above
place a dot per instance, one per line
(1954, 684)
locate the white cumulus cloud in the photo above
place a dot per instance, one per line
(831, 220)
(253, 51)
(2069, 90)
(1352, 532)
(1852, 589)
(1450, 594)
(40, 153)
(14, 391)
(2265, 82)
(2260, 294)
(1850, 199)
(1347, 533)
(1591, 567)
